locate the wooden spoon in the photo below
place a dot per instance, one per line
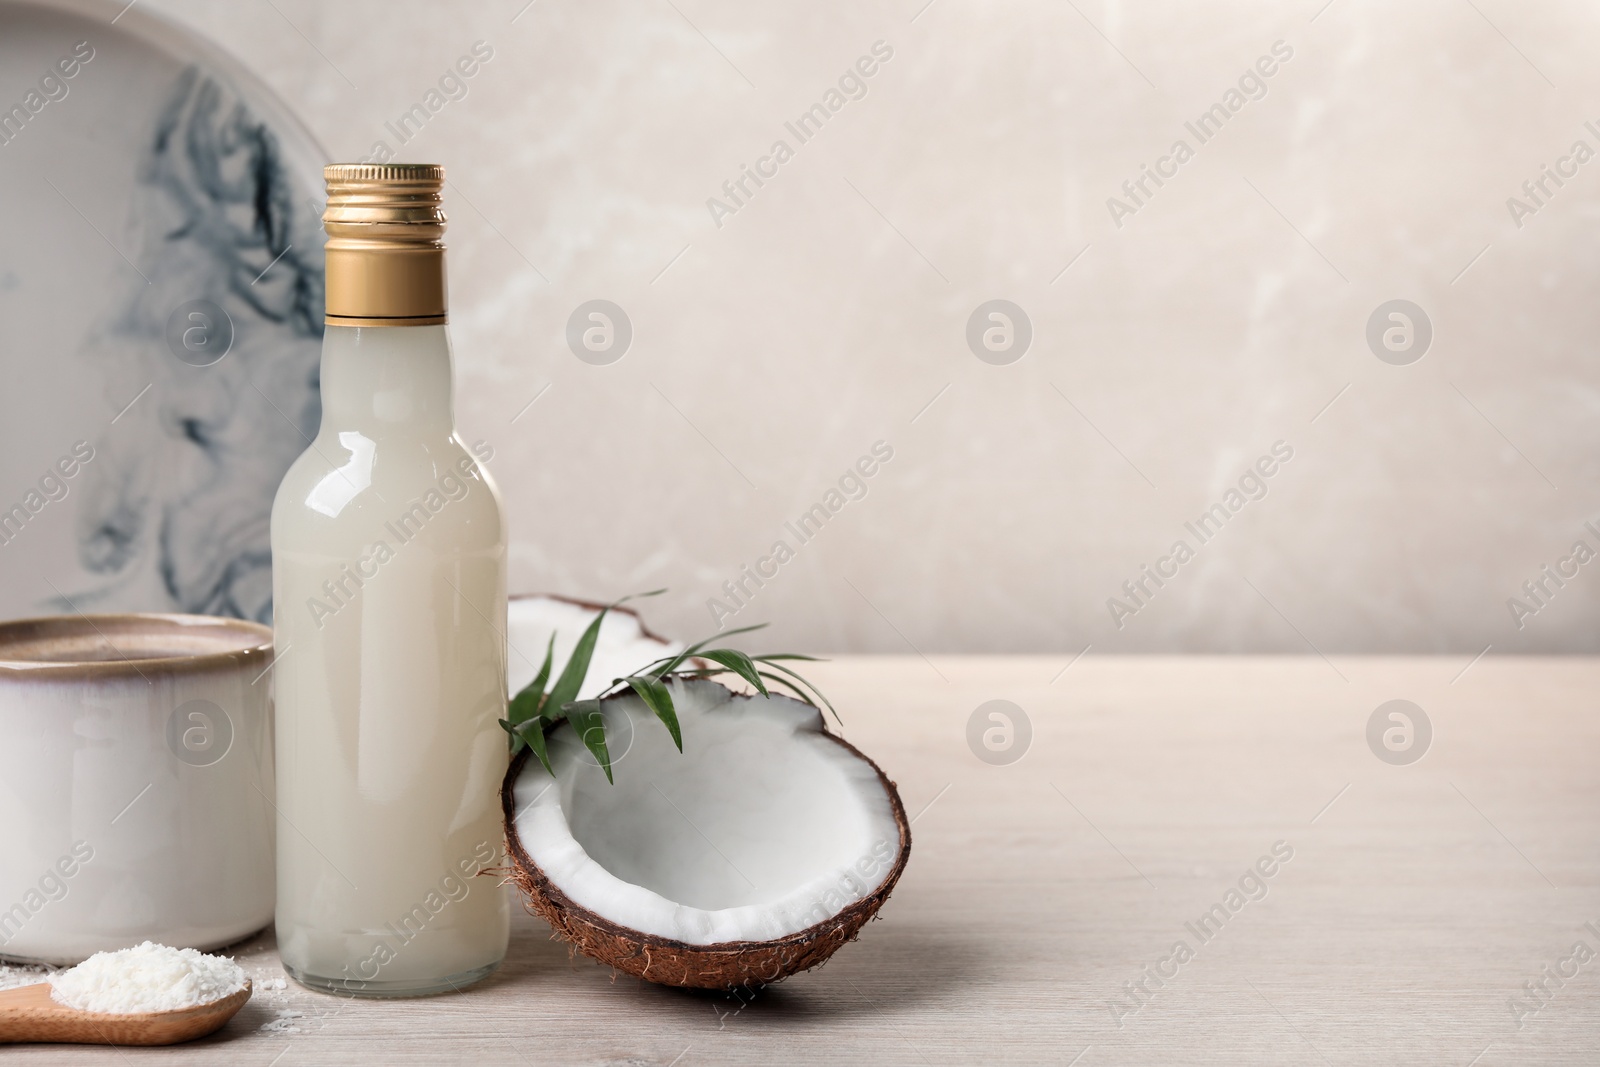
(29, 1014)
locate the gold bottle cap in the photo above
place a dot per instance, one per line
(385, 250)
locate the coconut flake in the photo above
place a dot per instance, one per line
(12, 977)
(284, 1021)
(146, 978)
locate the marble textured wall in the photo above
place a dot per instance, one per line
(1176, 338)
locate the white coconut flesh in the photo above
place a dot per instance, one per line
(762, 827)
(623, 645)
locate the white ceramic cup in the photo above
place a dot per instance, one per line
(136, 783)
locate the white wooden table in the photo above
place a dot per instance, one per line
(1418, 901)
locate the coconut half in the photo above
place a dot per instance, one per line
(754, 854)
(623, 646)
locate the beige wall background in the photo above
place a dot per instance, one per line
(1227, 313)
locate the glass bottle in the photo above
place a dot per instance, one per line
(389, 607)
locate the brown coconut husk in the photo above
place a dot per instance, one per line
(725, 965)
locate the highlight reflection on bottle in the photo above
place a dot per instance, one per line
(389, 594)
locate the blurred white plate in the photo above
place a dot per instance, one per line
(157, 201)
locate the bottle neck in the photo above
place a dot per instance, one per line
(387, 381)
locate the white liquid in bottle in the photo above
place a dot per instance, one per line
(389, 618)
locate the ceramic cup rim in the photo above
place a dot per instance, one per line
(240, 643)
